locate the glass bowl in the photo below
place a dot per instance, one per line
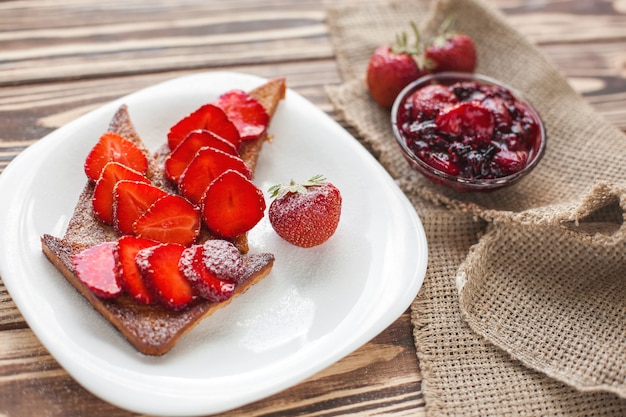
(405, 125)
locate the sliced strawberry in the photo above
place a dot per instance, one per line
(128, 272)
(443, 162)
(245, 112)
(130, 200)
(114, 148)
(467, 118)
(102, 200)
(207, 117)
(232, 205)
(207, 165)
(180, 157)
(95, 267)
(160, 272)
(428, 101)
(203, 280)
(509, 161)
(223, 259)
(171, 219)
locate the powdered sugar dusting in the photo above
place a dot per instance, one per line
(143, 258)
(155, 332)
(303, 202)
(223, 260)
(186, 263)
(154, 325)
(254, 263)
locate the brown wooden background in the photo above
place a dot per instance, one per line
(60, 59)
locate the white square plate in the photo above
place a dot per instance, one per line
(317, 305)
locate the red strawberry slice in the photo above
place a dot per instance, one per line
(95, 267)
(114, 148)
(170, 219)
(128, 272)
(248, 115)
(428, 101)
(442, 161)
(130, 200)
(232, 205)
(102, 200)
(203, 280)
(509, 161)
(207, 117)
(159, 270)
(467, 118)
(207, 165)
(180, 157)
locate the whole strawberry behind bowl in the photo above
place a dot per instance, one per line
(467, 131)
(393, 66)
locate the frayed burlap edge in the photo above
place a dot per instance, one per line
(560, 312)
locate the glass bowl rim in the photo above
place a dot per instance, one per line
(477, 184)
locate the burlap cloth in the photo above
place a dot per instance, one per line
(523, 309)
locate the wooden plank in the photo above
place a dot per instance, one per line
(550, 28)
(34, 110)
(597, 73)
(10, 317)
(165, 38)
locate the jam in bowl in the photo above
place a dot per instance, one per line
(467, 131)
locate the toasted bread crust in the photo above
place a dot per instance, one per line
(153, 329)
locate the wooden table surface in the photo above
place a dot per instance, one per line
(60, 59)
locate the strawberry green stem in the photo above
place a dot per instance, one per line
(280, 190)
(402, 42)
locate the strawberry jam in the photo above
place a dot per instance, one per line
(469, 129)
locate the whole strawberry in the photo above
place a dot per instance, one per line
(307, 214)
(451, 52)
(391, 68)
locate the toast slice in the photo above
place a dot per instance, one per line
(153, 329)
